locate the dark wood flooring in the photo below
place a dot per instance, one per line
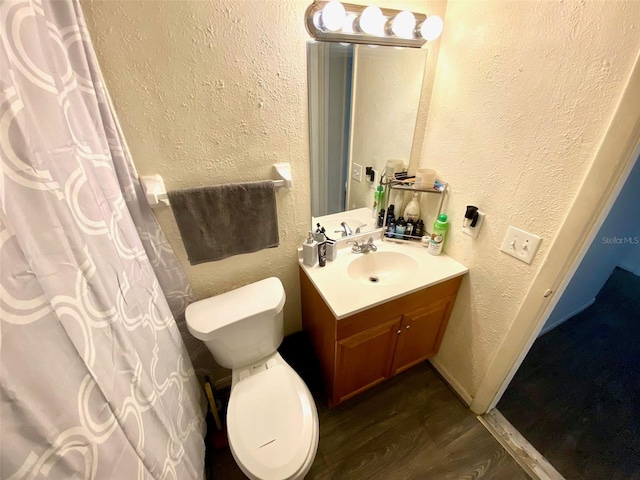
(576, 397)
(410, 427)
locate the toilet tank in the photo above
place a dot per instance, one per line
(241, 326)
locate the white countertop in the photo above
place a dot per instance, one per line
(346, 296)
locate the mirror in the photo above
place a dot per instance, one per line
(363, 106)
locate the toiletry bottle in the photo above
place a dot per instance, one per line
(409, 231)
(390, 214)
(401, 227)
(380, 223)
(418, 230)
(437, 236)
(412, 211)
(322, 251)
(398, 200)
(391, 228)
(310, 251)
(378, 197)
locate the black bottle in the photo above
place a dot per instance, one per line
(322, 252)
(418, 230)
(381, 218)
(390, 213)
(409, 231)
(391, 228)
(401, 228)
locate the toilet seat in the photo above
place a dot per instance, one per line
(272, 424)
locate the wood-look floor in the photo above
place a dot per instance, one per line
(576, 396)
(410, 427)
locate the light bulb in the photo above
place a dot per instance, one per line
(333, 15)
(431, 28)
(349, 22)
(403, 25)
(371, 21)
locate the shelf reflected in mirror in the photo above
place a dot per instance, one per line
(363, 105)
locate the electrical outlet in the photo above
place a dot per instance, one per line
(356, 172)
(520, 244)
(473, 231)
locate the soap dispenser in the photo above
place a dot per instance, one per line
(412, 212)
(310, 251)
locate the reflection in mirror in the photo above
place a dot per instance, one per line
(363, 104)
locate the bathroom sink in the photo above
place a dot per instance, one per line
(383, 268)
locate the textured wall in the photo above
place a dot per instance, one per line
(208, 93)
(214, 91)
(523, 94)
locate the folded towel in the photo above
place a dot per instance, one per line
(225, 220)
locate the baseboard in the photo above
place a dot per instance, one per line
(462, 392)
(531, 461)
(548, 328)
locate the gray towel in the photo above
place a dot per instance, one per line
(225, 220)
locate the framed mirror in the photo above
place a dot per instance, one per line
(363, 105)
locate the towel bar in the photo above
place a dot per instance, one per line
(156, 192)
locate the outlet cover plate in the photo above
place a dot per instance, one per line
(356, 172)
(520, 244)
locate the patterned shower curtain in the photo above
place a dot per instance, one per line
(95, 381)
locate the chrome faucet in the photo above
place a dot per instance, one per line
(363, 247)
(346, 230)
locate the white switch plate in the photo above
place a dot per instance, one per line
(520, 244)
(356, 172)
(473, 232)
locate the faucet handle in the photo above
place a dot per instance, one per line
(358, 229)
(356, 248)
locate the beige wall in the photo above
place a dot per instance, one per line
(384, 106)
(215, 91)
(523, 94)
(209, 92)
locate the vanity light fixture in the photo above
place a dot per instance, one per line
(332, 21)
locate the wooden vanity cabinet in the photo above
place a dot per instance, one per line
(364, 349)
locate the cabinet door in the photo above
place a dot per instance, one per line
(420, 333)
(364, 359)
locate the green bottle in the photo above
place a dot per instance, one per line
(378, 200)
(437, 235)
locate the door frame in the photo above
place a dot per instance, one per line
(611, 165)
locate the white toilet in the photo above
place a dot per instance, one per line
(272, 422)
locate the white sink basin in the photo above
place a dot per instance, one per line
(383, 268)
(355, 282)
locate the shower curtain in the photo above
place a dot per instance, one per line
(95, 381)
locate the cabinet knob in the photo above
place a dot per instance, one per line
(407, 327)
(399, 331)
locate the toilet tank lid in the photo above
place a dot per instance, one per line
(265, 297)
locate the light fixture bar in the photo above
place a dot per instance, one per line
(324, 29)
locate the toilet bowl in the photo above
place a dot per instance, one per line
(272, 421)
